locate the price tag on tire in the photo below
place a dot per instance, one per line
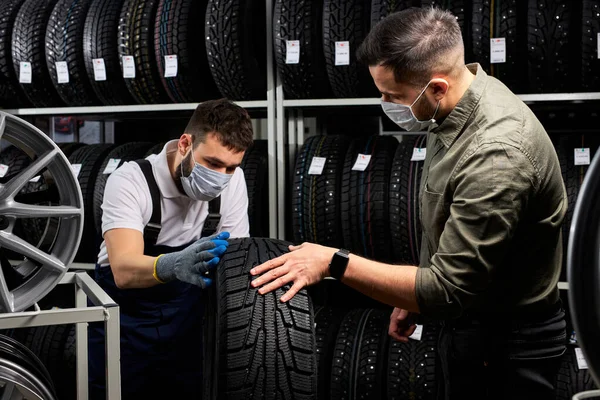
(417, 334)
(362, 162)
(292, 51)
(99, 69)
(171, 66)
(25, 72)
(112, 165)
(497, 50)
(581, 361)
(419, 154)
(582, 156)
(3, 170)
(342, 53)
(316, 165)
(128, 67)
(76, 169)
(62, 72)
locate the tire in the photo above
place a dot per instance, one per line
(507, 19)
(301, 21)
(28, 45)
(57, 352)
(570, 379)
(255, 165)
(236, 47)
(126, 152)
(360, 355)
(91, 158)
(136, 38)
(347, 20)
(316, 198)
(382, 8)
(69, 148)
(257, 345)
(405, 184)
(411, 372)
(157, 148)
(15, 159)
(327, 325)
(365, 198)
(101, 33)
(590, 77)
(462, 11)
(64, 37)
(177, 32)
(11, 94)
(550, 46)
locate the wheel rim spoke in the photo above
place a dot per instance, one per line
(21, 210)
(2, 125)
(14, 186)
(9, 391)
(14, 243)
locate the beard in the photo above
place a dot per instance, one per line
(423, 110)
(184, 169)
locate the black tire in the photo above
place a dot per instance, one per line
(360, 356)
(256, 173)
(590, 75)
(316, 198)
(302, 21)
(382, 8)
(101, 33)
(126, 152)
(411, 372)
(365, 198)
(136, 38)
(347, 20)
(11, 94)
(177, 32)
(571, 380)
(64, 42)
(327, 325)
(91, 158)
(549, 44)
(236, 47)
(57, 352)
(405, 222)
(507, 19)
(28, 45)
(15, 159)
(70, 148)
(157, 148)
(462, 11)
(257, 345)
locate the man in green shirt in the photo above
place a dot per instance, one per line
(492, 203)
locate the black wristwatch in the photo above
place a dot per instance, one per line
(339, 263)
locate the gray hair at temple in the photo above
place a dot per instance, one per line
(416, 44)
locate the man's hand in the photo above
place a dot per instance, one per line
(304, 265)
(401, 325)
(192, 263)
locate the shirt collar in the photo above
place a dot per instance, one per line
(164, 180)
(453, 125)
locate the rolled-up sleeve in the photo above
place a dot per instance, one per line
(491, 188)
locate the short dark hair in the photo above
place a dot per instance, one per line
(229, 122)
(415, 43)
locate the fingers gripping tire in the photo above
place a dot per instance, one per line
(256, 345)
(64, 43)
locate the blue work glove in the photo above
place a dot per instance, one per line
(192, 263)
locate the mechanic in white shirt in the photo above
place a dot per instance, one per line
(157, 215)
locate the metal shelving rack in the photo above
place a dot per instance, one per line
(104, 309)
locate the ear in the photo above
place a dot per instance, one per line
(185, 144)
(440, 87)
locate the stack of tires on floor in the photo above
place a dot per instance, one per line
(362, 194)
(550, 44)
(117, 52)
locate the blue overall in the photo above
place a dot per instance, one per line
(161, 330)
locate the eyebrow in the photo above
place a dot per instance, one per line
(217, 161)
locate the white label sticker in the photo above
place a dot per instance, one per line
(128, 67)
(24, 72)
(35, 179)
(112, 165)
(418, 333)
(582, 157)
(342, 53)
(497, 50)
(171, 66)
(419, 154)
(3, 170)
(362, 162)
(62, 72)
(581, 361)
(292, 51)
(76, 169)
(598, 45)
(316, 165)
(99, 69)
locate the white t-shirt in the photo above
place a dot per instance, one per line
(128, 204)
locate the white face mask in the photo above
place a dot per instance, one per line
(203, 183)
(404, 116)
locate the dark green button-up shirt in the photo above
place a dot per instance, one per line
(492, 203)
